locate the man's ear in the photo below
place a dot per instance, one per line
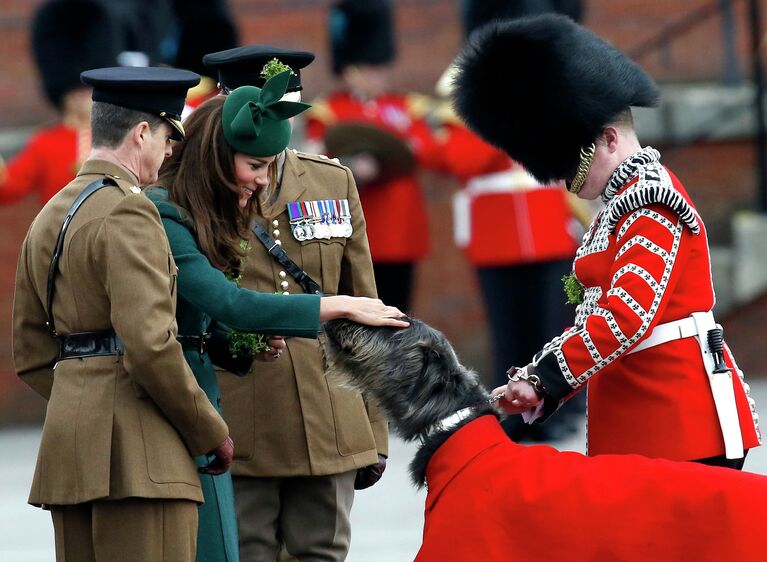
(139, 132)
(611, 137)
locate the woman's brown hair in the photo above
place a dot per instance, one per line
(200, 179)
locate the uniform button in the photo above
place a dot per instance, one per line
(275, 223)
(278, 242)
(285, 292)
(276, 233)
(284, 284)
(282, 275)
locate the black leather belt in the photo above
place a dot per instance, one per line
(200, 343)
(89, 344)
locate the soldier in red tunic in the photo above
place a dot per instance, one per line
(661, 381)
(362, 45)
(67, 38)
(519, 234)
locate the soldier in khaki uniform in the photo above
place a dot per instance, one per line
(124, 411)
(302, 439)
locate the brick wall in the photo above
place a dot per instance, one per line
(718, 175)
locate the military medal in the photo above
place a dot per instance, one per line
(346, 218)
(300, 218)
(321, 228)
(335, 226)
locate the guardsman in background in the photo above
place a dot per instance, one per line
(95, 300)
(519, 234)
(661, 381)
(304, 443)
(202, 29)
(68, 37)
(363, 49)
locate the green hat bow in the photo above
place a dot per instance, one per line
(255, 120)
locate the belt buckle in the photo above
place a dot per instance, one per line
(204, 337)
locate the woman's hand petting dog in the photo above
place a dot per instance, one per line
(362, 310)
(519, 396)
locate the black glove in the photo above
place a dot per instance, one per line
(369, 475)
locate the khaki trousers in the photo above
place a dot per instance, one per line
(128, 530)
(308, 514)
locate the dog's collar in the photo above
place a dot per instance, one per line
(447, 423)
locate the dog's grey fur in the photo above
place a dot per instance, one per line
(413, 373)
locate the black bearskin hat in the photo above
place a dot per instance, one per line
(476, 13)
(70, 36)
(542, 88)
(361, 32)
(203, 32)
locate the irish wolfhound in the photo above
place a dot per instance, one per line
(492, 499)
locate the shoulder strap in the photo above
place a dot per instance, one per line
(89, 190)
(308, 284)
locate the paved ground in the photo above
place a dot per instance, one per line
(387, 519)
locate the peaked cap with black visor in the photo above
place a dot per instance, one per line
(153, 90)
(244, 66)
(565, 85)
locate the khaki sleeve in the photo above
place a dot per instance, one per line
(379, 425)
(139, 283)
(34, 350)
(357, 278)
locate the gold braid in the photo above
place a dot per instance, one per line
(587, 155)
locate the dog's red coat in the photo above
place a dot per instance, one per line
(492, 499)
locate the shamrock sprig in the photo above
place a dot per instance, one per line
(274, 67)
(244, 343)
(574, 289)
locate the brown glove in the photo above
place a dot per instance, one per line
(369, 475)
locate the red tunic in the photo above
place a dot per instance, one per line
(644, 262)
(395, 211)
(48, 162)
(504, 216)
(491, 499)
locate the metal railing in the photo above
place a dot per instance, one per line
(694, 19)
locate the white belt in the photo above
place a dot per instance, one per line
(670, 331)
(698, 326)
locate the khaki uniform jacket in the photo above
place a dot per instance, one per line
(288, 418)
(116, 426)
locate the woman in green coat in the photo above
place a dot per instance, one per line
(207, 195)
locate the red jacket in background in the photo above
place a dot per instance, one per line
(395, 211)
(504, 216)
(48, 162)
(491, 499)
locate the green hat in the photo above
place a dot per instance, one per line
(255, 121)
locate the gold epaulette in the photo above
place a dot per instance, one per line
(444, 114)
(202, 90)
(419, 105)
(322, 112)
